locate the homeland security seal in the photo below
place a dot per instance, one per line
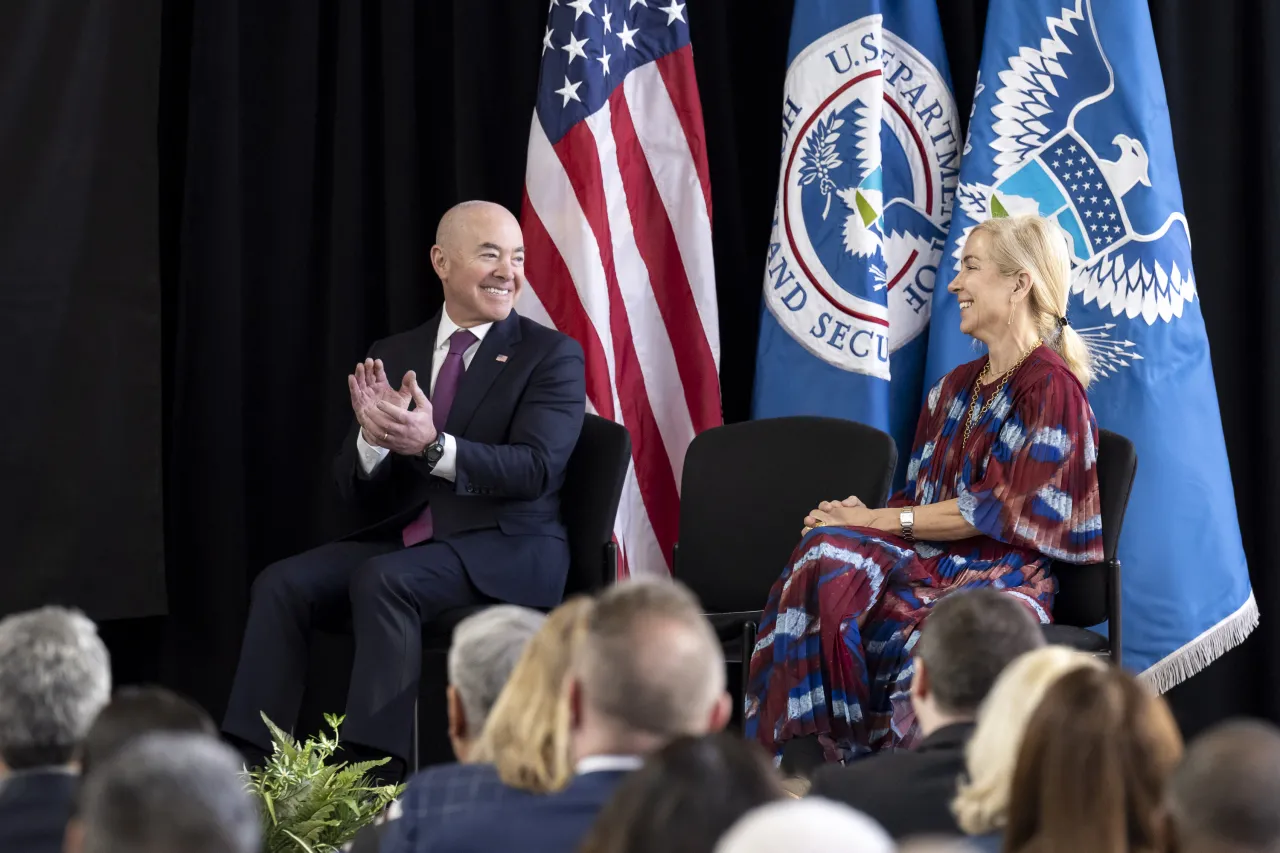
(869, 166)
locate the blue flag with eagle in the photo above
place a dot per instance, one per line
(1070, 122)
(870, 158)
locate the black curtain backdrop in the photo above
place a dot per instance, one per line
(307, 148)
(80, 506)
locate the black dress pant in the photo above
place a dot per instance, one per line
(388, 593)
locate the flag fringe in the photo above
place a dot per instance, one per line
(1175, 668)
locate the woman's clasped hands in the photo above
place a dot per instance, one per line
(850, 512)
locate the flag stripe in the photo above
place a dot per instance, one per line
(581, 162)
(545, 269)
(656, 358)
(549, 190)
(657, 244)
(642, 548)
(660, 133)
(681, 85)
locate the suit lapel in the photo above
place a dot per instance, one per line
(484, 369)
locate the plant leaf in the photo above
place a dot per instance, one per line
(304, 845)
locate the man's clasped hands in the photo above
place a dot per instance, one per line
(398, 419)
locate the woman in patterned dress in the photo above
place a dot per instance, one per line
(1002, 479)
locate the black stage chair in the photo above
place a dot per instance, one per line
(1090, 594)
(744, 494)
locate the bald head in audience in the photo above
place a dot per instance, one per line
(1225, 797)
(649, 669)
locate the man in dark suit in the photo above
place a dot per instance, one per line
(648, 669)
(463, 468)
(965, 643)
(55, 676)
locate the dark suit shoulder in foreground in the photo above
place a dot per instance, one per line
(439, 795)
(555, 823)
(34, 808)
(908, 793)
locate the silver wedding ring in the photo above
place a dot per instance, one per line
(385, 436)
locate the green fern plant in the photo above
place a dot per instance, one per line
(308, 804)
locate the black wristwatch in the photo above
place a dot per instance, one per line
(433, 451)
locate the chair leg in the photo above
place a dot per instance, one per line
(749, 630)
(1115, 636)
(416, 748)
(609, 575)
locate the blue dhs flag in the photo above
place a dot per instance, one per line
(870, 158)
(1070, 122)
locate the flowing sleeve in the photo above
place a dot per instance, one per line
(922, 447)
(1040, 487)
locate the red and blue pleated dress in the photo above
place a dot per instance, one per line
(834, 651)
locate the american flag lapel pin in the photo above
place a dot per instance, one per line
(501, 359)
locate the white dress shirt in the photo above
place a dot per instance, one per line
(371, 457)
(608, 763)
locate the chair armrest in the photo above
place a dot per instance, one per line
(732, 622)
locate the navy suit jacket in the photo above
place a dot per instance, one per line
(516, 419)
(442, 794)
(34, 808)
(555, 823)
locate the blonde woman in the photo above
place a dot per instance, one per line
(1002, 480)
(523, 749)
(981, 805)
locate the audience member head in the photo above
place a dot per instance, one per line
(479, 256)
(811, 825)
(685, 797)
(483, 654)
(136, 711)
(650, 669)
(168, 793)
(1091, 774)
(527, 735)
(967, 641)
(982, 803)
(55, 675)
(1224, 796)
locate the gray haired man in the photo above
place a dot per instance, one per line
(168, 793)
(55, 675)
(484, 651)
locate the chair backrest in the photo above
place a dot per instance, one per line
(1082, 590)
(589, 499)
(746, 489)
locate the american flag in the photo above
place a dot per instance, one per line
(617, 228)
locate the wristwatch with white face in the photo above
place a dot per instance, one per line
(907, 521)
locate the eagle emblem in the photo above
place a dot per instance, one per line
(1061, 149)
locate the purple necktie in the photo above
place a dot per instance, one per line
(420, 529)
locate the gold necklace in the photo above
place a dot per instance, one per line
(976, 414)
